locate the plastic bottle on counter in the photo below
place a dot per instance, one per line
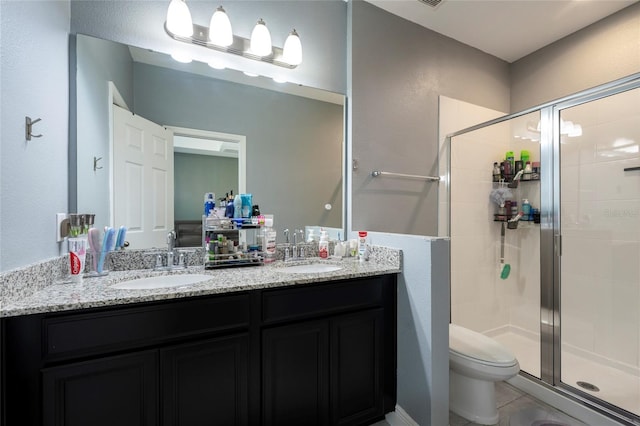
(323, 245)
(237, 206)
(362, 246)
(209, 203)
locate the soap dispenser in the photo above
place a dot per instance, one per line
(323, 245)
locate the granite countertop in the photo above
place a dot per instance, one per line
(97, 292)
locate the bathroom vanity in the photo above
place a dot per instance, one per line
(283, 349)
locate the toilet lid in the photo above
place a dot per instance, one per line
(471, 344)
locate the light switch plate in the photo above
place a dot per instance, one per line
(62, 219)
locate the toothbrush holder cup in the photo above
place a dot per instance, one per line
(99, 263)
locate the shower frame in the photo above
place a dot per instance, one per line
(551, 238)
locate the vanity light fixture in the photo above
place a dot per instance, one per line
(292, 51)
(179, 19)
(219, 36)
(261, 39)
(220, 32)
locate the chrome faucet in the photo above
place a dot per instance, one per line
(287, 255)
(171, 256)
(297, 252)
(171, 244)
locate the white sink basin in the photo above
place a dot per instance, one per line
(162, 281)
(312, 268)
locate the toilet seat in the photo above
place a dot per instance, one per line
(475, 347)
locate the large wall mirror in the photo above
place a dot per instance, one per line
(280, 142)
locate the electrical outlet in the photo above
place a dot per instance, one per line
(62, 223)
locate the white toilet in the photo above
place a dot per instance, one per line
(476, 362)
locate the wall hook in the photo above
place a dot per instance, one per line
(95, 163)
(29, 127)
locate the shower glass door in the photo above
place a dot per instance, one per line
(599, 272)
(495, 253)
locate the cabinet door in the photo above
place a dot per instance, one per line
(295, 374)
(120, 390)
(357, 367)
(205, 383)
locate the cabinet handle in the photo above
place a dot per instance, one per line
(631, 169)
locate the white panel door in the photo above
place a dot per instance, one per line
(142, 179)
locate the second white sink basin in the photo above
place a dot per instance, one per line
(312, 268)
(162, 281)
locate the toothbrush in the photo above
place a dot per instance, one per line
(107, 243)
(120, 239)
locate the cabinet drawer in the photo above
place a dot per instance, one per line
(316, 300)
(82, 334)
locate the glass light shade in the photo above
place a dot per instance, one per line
(220, 32)
(261, 40)
(292, 51)
(179, 19)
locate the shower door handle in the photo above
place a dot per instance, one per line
(631, 169)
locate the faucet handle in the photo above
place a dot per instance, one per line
(159, 263)
(286, 235)
(171, 236)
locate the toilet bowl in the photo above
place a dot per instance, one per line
(476, 362)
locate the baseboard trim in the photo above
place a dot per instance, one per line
(400, 418)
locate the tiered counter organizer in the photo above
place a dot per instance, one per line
(242, 232)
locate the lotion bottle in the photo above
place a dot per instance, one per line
(323, 245)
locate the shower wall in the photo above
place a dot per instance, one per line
(601, 232)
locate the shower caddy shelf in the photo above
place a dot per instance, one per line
(523, 224)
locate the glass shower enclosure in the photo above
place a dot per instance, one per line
(548, 261)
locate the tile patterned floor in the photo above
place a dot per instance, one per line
(511, 402)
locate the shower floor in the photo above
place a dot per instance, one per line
(616, 387)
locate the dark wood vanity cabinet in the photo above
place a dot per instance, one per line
(118, 390)
(318, 354)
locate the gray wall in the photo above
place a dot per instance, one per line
(396, 77)
(603, 52)
(34, 82)
(321, 24)
(98, 62)
(194, 175)
(294, 144)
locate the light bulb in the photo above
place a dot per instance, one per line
(179, 19)
(261, 39)
(220, 32)
(292, 51)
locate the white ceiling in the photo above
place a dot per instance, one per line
(508, 29)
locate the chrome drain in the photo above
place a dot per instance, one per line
(588, 386)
